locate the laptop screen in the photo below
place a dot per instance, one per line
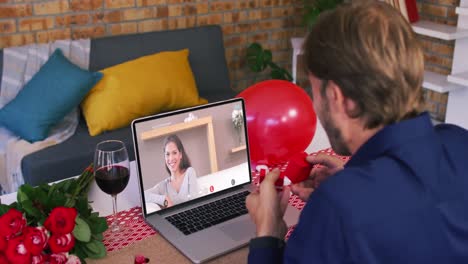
(191, 153)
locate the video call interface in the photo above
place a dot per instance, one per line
(192, 154)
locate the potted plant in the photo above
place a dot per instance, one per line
(259, 59)
(313, 8)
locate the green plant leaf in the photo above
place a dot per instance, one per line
(80, 250)
(82, 232)
(97, 224)
(24, 192)
(255, 57)
(312, 10)
(267, 57)
(310, 17)
(31, 210)
(254, 49)
(56, 199)
(95, 249)
(98, 237)
(277, 74)
(83, 207)
(4, 208)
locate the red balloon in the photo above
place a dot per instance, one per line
(281, 121)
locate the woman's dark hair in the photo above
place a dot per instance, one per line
(185, 162)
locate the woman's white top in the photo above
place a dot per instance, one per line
(188, 189)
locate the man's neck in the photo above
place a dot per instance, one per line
(360, 135)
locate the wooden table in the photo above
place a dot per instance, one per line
(158, 250)
(155, 247)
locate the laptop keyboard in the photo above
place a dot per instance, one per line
(211, 214)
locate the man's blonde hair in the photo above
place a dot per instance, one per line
(371, 52)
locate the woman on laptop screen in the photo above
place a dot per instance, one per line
(181, 185)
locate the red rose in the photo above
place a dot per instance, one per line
(16, 252)
(61, 220)
(11, 223)
(35, 239)
(61, 243)
(60, 258)
(3, 244)
(38, 259)
(3, 259)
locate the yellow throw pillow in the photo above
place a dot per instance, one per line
(148, 85)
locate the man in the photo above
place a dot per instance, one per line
(403, 196)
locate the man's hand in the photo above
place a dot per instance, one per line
(267, 207)
(329, 166)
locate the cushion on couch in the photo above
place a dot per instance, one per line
(57, 88)
(148, 85)
(208, 63)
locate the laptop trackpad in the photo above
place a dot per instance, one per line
(239, 230)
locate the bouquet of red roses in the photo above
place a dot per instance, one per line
(52, 224)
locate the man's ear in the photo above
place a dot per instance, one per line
(339, 101)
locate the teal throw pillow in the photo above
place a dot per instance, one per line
(53, 92)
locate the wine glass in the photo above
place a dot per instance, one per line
(112, 172)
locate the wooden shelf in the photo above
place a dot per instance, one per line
(438, 82)
(237, 149)
(459, 78)
(175, 128)
(440, 31)
(462, 11)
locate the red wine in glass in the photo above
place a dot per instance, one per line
(112, 172)
(112, 179)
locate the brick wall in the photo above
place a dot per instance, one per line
(438, 53)
(270, 22)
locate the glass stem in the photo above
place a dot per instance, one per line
(115, 224)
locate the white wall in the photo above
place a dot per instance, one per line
(320, 140)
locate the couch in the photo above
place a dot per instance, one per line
(208, 62)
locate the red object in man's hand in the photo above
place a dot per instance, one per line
(298, 168)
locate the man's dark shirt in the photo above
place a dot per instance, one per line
(402, 198)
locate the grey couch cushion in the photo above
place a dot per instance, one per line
(70, 157)
(208, 63)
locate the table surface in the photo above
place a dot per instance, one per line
(154, 247)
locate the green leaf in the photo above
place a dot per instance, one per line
(255, 57)
(98, 237)
(310, 17)
(4, 208)
(254, 49)
(267, 56)
(277, 74)
(83, 207)
(55, 199)
(95, 249)
(97, 224)
(82, 232)
(31, 210)
(80, 251)
(24, 192)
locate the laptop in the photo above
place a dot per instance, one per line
(194, 174)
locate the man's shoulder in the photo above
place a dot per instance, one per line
(452, 133)
(356, 191)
